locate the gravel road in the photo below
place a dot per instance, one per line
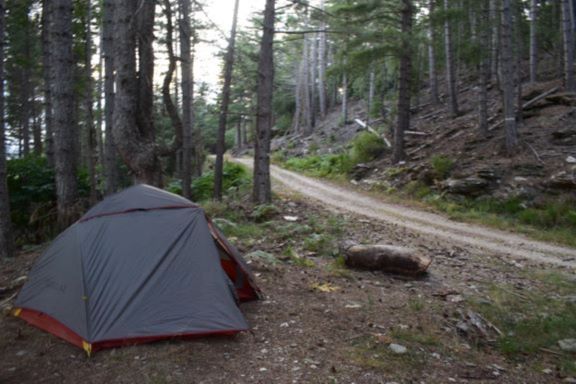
(430, 224)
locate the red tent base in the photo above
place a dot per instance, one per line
(53, 326)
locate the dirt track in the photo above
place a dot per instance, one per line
(434, 225)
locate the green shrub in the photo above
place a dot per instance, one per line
(321, 244)
(366, 147)
(234, 175)
(441, 166)
(321, 166)
(33, 197)
(417, 189)
(264, 212)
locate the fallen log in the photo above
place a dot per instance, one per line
(387, 258)
(530, 103)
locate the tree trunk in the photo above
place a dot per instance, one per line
(313, 64)
(89, 109)
(133, 141)
(111, 171)
(568, 33)
(387, 258)
(171, 108)
(187, 96)
(296, 120)
(262, 192)
(404, 82)
(432, 55)
(344, 96)
(371, 92)
(306, 102)
(36, 130)
(533, 41)
(221, 139)
(484, 69)
(6, 241)
(450, 69)
(46, 72)
(494, 17)
(144, 116)
(65, 128)
(322, 66)
(507, 79)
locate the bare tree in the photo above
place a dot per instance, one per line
(221, 140)
(169, 105)
(132, 134)
(262, 192)
(46, 72)
(322, 66)
(88, 107)
(6, 241)
(450, 68)
(507, 78)
(432, 53)
(568, 33)
(187, 96)
(111, 172)
(404, 83)
(65, 127)
(533, 41)
(484, 69)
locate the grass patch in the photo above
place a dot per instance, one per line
(414, 336)
(531, 320)
(321, 244)
(329, 166)
(369, 353)
(295, 259)
(338, 268)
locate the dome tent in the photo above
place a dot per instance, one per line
(142, 265)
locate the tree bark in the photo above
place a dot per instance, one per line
(484, 69)
(322, 66)
(88, 107)
(6, 240)
(111, 171)
(133, 142)
(221, 139)
(533, 41)
(568, 34)
(344, 112)
(65, 128)
(432, 54)
(169, 105)
(46, 72)
(262, 192)
(387, 258)
(187, 96)
(404, 82)
(371, 93)
(495, 18)
(507, 80)
(450, 69)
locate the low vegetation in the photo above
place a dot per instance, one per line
(533, 321)
(550, 220)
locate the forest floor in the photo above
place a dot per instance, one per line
(475, 317)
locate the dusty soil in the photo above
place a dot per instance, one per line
(319, 323)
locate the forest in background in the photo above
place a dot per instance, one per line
(84, 117)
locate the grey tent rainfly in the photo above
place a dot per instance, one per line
(142, 265)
